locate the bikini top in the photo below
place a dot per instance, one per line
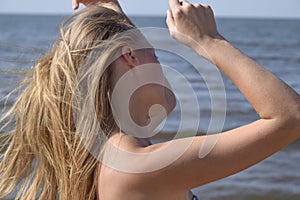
(195, 197)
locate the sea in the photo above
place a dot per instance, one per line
(208, 102)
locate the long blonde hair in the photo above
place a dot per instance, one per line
(43, 154)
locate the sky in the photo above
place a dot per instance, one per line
(222, 8)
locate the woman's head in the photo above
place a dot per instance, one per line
(110, 51)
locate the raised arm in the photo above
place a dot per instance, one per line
(276, 103)
(271, 98)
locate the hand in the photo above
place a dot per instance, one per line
(191, 23)
(75, 3)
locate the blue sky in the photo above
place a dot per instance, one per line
(245, 8)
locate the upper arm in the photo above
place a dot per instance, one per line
(232, 151)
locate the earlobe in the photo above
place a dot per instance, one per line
(130, 56)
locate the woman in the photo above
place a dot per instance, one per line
(47, 154)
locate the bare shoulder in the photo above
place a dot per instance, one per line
(130, 169)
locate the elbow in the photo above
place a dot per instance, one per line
(297, 123)
(288, 118)
(297, 119)
(293, 119)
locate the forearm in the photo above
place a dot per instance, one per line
(276, 103)
(270, 96)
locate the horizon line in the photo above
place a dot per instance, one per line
(153, 15)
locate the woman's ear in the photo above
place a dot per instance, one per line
(130, 57)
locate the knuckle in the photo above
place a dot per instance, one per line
(197, 5)
(177, 13)
(189, 7)
(207, 7)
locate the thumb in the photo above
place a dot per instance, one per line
(170, 20)
(75, 4)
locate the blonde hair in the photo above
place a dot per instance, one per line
(45, 154)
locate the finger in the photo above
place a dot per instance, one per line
(174, 4)
(170, 20)
(75, 4)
